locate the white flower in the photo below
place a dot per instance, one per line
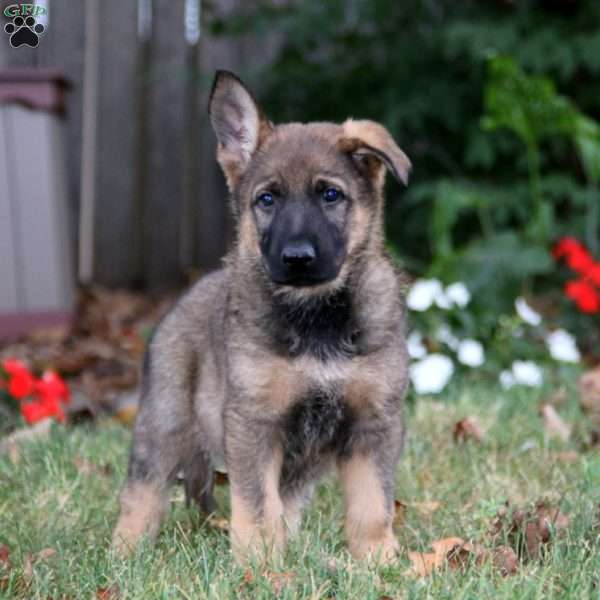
(527, 373)
(445, 335)
(442, 301)
(415, 346)
(507, 379)
(423, 294)
(562, 346)
(458, 294)
(431, 374)
(470, 353)
(526, 312)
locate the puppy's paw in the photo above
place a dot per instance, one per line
(382, 551)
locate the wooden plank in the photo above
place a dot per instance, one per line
(116, 134)
(9, 266)
(165, 181)
(40, 233)
(61, 47)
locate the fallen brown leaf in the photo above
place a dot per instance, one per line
(425, 509)
(554, 423)
(529, 531)
(505, 560)
(126, 415)
(108, 593)
(5, 566)
(460, 556)
(468, 429)
(4, 555)
(399, 513)
(221, 478)
(218, 523)
(45, 554)
(88, 468)
(424, 563)
(279, 580)
(569, 456)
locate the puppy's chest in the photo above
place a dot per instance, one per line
(318, 425)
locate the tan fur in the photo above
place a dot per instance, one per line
(265, 535)
(368, 515)
(142, 511)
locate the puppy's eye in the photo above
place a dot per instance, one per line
(265, 200)
(331, 195)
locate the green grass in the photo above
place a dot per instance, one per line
(47, 502)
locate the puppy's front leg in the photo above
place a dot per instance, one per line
(368, 488)
(257, 511)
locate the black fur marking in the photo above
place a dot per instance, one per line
(324, 327)
(317, 425)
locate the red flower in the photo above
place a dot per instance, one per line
(49, 392)
(566, 246)
(51, 385)
(584, 294)
(593, 274)
(21, 381)
(575, 254)
(38, 410)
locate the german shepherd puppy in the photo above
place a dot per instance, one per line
(291, 359)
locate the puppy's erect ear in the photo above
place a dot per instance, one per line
(238, 123)
(367, 140)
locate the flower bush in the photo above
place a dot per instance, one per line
(450, 333)
(39, 398)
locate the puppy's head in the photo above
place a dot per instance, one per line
(308, 197)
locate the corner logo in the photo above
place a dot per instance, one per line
(24, 30)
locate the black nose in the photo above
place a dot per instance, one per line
(299, 254)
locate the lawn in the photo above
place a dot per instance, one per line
(58, 502)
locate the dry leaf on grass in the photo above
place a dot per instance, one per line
(468, 429)
(126, 415)
(459, 555)
(219, 523)
(399, 513)
(529, 531)
(505, 560)
(554, 423)
(5, 566)
(221, 478)
(569, 456)
(425, 509)
(424, 563)
(88, 468)
(279, 580)
(108, 593)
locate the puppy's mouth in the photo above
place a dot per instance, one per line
(300, 278)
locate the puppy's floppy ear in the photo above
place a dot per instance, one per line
(367, 140)
(238, 123)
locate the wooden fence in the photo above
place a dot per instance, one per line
(152, 193)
